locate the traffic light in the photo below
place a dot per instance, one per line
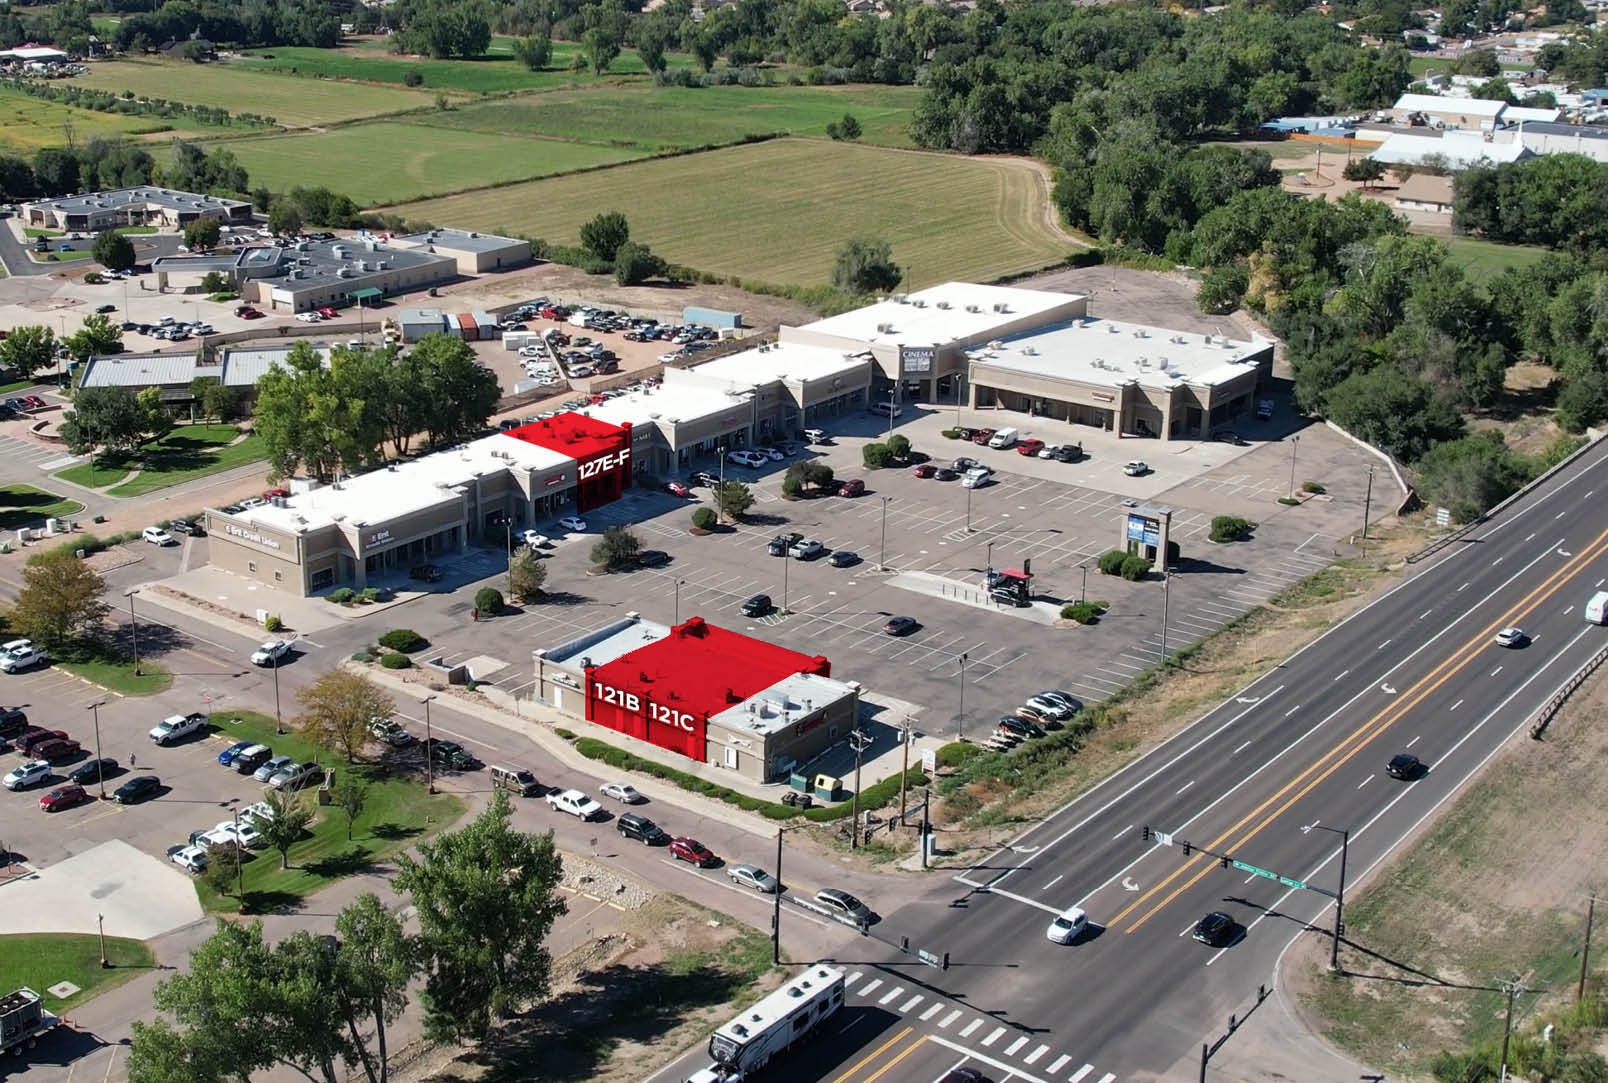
(1144, 833)
(946, 961)
(1188, 849)
(1224, 861)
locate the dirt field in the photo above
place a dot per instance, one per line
(1497, 886)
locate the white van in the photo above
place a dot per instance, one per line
(1003, 438)
(1597, 608)
(886, 409)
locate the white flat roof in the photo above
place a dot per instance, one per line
(782, 361)
(243, 367)
(1105, 352)
(943, 314)
(603, 645)
(788, 701)
(670, 402)
(386, 494)
(1436, 103)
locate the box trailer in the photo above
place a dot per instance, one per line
(22, 1020)
(1597, 608)
(711, 317)
(466, 326)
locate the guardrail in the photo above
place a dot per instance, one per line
(1544, 716)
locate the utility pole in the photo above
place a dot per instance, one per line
(904, 767)
(1083, 591)
(1585, 953)
(860, 741)
(1367, 502)
(926, 824)
(279, 726)
(1295, 442)
(100, 927)
(776, 905)
(134, 627)
(962, 719)
(1512, 988)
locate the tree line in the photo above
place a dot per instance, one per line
(247, 22)
(105, 163)
(126, 104)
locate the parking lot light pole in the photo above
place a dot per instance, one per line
(429, 749)
(100, 928)
(882, 555)
(787, 558)
(1294, 443)
(1083, 591)
(968, 508)
(678, 583)
(1339, 896)
(279, 723)
(100, 769)
(962, 712)
(134, 627)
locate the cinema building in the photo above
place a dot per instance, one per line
(373, 528)
(704, 692)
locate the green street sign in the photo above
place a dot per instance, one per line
(1287, 882)
(1269, 875)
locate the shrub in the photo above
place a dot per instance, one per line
(89, 543)
(792, 487)
(272, 623)
(950, 434)
(405, 640)
(956, 753)
(1082, 612)
(94, 278)
(489, 601)
(1110, 562)
(899, 446)
(342, 595)
(393, 660)
(1289, 501)
(1314, 487)
(703, 518)
(414, 77)
(363, 656)
(1135, 568)
(876, 456)
(1227, 528)
(568, 735)
(370, 595)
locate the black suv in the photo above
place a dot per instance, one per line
(779, 545)
(1021, 726)
(1404, 765)
(757, 606)
(642, 829)
(1215, 929)
(248, 762)
(12, 719)
(1067, 453)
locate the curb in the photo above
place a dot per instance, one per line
(560, 750)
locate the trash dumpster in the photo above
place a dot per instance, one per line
(828, 788)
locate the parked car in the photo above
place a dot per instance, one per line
(744, 457)
(136, 789)
(782, 543)
(900, 626)
(757, 606)
(640, 828)
(93, 771)
(923, 470)
(1264, 409)
(449, 754)
(425, 573)
(57, 750)
(155, 535)
(573, 523)
(575, 803)
(192, 859)
(296, 776)
(226, 758)
(28, 773)
(327, 312)
(851, 487)
(652, 558)
(387, 730)
(1050, 706)
(1029, 447)
(622, 792)
(177, 727)
(103, 309)
(1020, 726)
(1136, 468)
(703, 477)
(271, 653)
(12, 719)
(755, 877)
(34, 736)
(271, 767)
(251, 314)
(806, 549)
(15, 659)
(683, 848)
(249, 759)
(843, 558)
(678, 489)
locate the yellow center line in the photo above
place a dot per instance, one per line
(1366, 732)
(874, 1054)
(915, 1045)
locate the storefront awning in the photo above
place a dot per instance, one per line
(367, 294)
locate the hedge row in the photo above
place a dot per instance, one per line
(874, 796)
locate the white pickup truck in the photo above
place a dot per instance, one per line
(575, 803)
(177, 727)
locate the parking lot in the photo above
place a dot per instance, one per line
(934, 540)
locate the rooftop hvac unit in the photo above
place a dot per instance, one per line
(884, 328)
(1140, 332)
(473, 234)
(653, 417)
(974, 308)
(1030, 351)
(1207, 338)
(1002, 307)
(1112, 328)
(1178, 339)
(919, 303)
(372, 245)
(278, 502)
(902, 298)
(943, 304)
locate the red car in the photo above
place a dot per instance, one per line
(62, 797)
(851, 487)
(251, 314)
(685, 849)
(982, 436)
(57, 750)
(1029, 447)
(328, 313)
(34, 401)
(34, 736)
(679, 489)
(241, 310)
(924, 470)
(269, 494)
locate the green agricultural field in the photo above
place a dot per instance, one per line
(779, 211)
(391, 161)
(659, 118)
(296, 101)
(496, 73)
(28, 123)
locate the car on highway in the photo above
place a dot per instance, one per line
(755, 877)
(29, 773)
(900, 626)
(575, 803)
(62, 797)
(632, 826)
(843, 558)
(573, 522)
(248, 760)
(1512, 637)
(757, 606)
(1068, 925)
(1135, 468)
(844, 904)
(92, 770)
(177, 727)
(806, 549)
(623, 792)
(271, 767)
(1405, 766)
(683, 848)
(1215, 929)
(271, 653)
(136, 789)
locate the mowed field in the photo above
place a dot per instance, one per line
(28, 123)
(292, 100)
(658, 118)
(779, 211)
(391, 161)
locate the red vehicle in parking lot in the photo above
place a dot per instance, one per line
(924, 470)
(851, 487)
(679, 489)
(57, 750)
(1029, 447)
(34, 736)
(250, 314)
(982, 436)
(685, 849)
(327, 312)
(62, 797)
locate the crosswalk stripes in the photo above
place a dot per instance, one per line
(1081, 1072)
(966, 1031)
(1014, 1046)
(1035, 1055)
(943, 1023)
(994, 1036)
(932, 1011)
(894, 994)
(1058, 1063)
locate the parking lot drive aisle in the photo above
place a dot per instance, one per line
(140, 896)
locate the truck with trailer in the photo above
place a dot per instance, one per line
(23, 1019)
(785, 1017)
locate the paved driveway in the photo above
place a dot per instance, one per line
(139, 895)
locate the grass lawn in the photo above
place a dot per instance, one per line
(397, 811)
(96, 475)
(291, 100)
(659, 118)
(189, 451)
(496, 73)
(17, 385)
(35, 231)
(1483, 260)
(24, 505)
(28, 123)
(40, 960)
(419, 160)
(779, 211)
(61, 257)
(114, 671)
(1275, 148)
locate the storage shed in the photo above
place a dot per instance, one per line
(418, 322)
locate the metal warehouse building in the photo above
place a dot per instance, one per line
(707, 693)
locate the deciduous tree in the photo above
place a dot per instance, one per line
(288, 816)
(604, 234)
(60, 600)
(112, 250)
(527, 574)
(616, 549)
(533, 51)
(733, 499)
(104, 417)
(27, 350)
(349, 794)
(865, 265)
(202, 234)
(97, 335)
(337, 709)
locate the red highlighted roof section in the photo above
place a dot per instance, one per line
(702, 669)
(576, 435)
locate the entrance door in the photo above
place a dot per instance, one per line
(731, 757)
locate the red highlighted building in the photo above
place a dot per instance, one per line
(601, 450)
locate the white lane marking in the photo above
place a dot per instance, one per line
(1008, 1071)
(1011, 1049)
(1425, 613)
(969, 1027)
(1081, 1072)
(1108, 1077)
(1187, 929)
(1249, 878)
(1462, 588)
(950, 1018)
(1036, 1054)
(990, 889)
(932, 1011)
(1058, 1063)
(994, 1036)
(1184, 787)
(870, 987)
(893, 994)
(1057, 880)
(1383, 645)
(1292, 710)
(1121, 833)
(1240, 749)
(1364, 782)
(1342, 673)
(1495, 671)
(1530, 536)
(1455, 706)
(911, 1003)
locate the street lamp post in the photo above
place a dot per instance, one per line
(1340, 896)
(429, 748)
(968, 507)
(678, 583)
(1083, 591)
(1294, 443)
(962, 720)
(100, 768)
(100, 928)
(787, 558)
(1166, 600)
(882, 554)
(134, 628)
(279, 725)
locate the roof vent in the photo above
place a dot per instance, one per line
(974, 308)
(1112, 328)
(919, 303)
(943, 305)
